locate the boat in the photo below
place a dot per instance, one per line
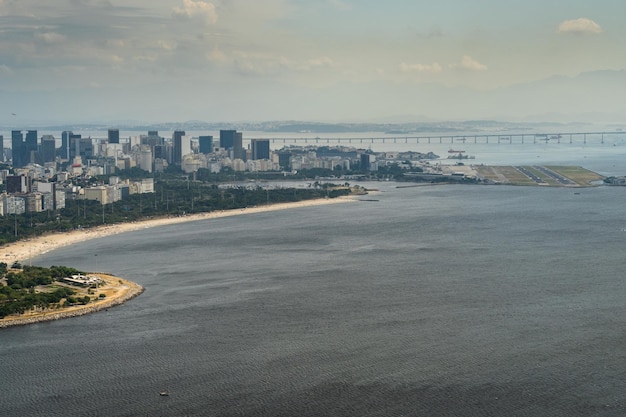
(454, 151)
(164, 393)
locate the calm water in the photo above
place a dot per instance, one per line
(435, 300)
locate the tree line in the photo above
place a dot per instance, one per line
(18, 295)
(173, 196)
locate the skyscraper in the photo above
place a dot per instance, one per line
(18, 148)
(206, 144)
(114, 136)
(64, 151)
(238, 151)
(82, 147)
(48, 148)
(177, 143)
(227, 138)
(67, 138)
(1, 148)
(260, 148)
(32, 147)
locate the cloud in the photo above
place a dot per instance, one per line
(323, 61)
(580, 27)
(469, 64)
(4, 69)
(434, 68)
(268, 64)
(50, 37)
(167, 45)
(196, 9)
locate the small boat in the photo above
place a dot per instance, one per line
(164, 393)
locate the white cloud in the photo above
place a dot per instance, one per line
(167, 45)
(217, 55)
(470, 64)
(196, 9)
(323, 61)
(580, 26)
(50, 37)
(267, 64)
(434, 68)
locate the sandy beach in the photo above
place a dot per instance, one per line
(117, 290)
(25, 250)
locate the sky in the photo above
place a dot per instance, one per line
(323, 60)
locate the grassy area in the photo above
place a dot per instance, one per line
(511, 175)
(579, 175)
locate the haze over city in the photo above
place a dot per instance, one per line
(333, 60)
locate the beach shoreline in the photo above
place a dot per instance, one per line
(24, 251)
(119, 290)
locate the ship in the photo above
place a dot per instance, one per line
(455, 151)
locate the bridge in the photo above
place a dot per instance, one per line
(510, 138)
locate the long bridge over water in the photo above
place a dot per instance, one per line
(492, 138)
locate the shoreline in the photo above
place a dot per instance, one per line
(124, 291)
(24, 250)
(121, 290)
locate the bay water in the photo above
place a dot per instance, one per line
(453, 300)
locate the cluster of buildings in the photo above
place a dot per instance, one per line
(151, 152)
(45, 170)
(29, 191)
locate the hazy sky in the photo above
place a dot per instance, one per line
(221, 60)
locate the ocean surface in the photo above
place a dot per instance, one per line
(431, 301)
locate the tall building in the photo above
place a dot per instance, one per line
(64, 150)
(231, 140)
(227, 138)
(82, 147)
(238, 151)
(48, 148)
(284, 160)
(206, 144)
(114, 136)
(153, 139)
(1, 148)
(159, 152)
(18, 149)
(260, 148)
(177, 143)
(66, 143)
(145, 158)
(31, 141)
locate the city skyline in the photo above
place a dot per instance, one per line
(334, 60)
